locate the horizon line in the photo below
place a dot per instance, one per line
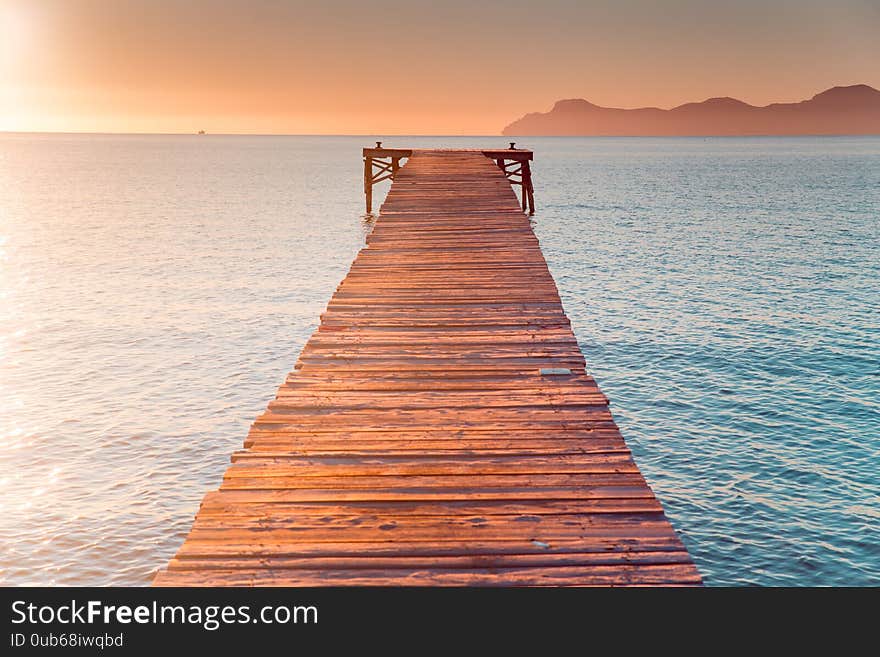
(247, 134)
(386, 136)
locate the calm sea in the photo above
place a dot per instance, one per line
(155, 290)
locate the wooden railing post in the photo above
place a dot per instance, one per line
(528, 189)
(381, 164)
(368, 182)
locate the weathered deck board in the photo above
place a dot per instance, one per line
(417, 442)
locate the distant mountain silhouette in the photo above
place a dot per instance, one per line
(853, 110)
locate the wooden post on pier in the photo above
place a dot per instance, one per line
(514, 162)
(368, 182)
(381, 164)
(528, 189)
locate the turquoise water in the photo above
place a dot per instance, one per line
(155, 291)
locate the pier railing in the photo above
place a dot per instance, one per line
(383, 163)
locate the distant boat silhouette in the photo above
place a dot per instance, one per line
(201, 132)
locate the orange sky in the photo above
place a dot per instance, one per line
(408, 66)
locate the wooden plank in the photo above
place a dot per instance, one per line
(582, 575)
(219, 504)
(387, 152)
(417, 442)
(537, 560)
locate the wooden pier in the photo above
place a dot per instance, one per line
(439, 427)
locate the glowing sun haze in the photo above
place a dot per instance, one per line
(408, 66)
